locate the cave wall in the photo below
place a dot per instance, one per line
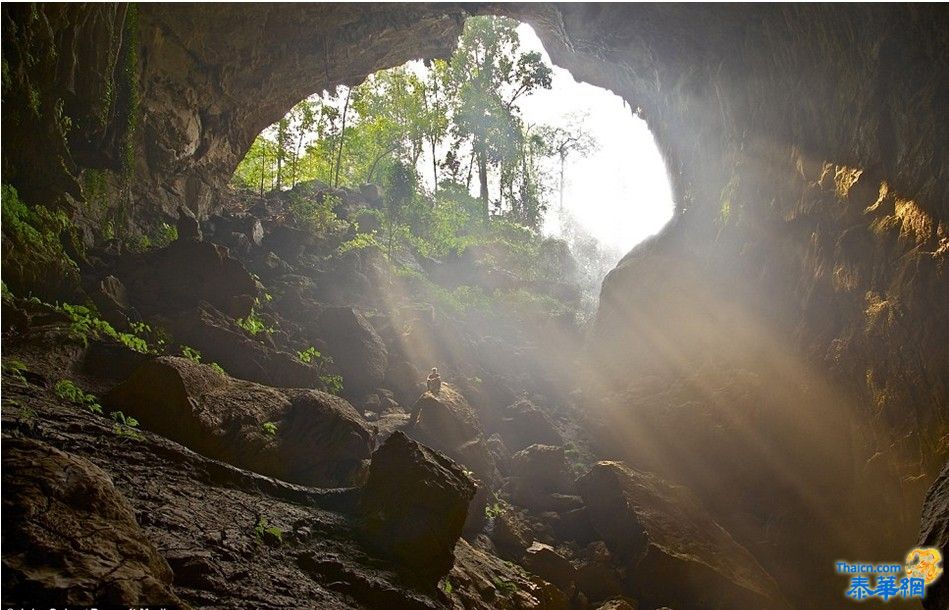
(166, 123)
(805, 144)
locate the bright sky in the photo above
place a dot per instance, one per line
(621, 192)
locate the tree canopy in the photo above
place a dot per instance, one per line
(446, 141)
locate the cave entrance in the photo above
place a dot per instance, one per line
(496, 130)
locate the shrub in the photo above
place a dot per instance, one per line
(85, 324)
(15, 368)
(69, 391)
(38, 261)
(316, 212)
(267, 533)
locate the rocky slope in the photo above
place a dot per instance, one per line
(233, 463)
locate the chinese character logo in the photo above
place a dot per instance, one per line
(924, 563)
(922, 568)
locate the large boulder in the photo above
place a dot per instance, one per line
(447, 423)
(298, 435)
(934, 532)
(70, 538)
(413, 507)
(219, 340)
(676, 554)
(183, 274)
(359, 353)
(537, 473)
(523, 424)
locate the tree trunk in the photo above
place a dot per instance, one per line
(483, 186)
(279, 171)
(562, 162)
(342, 137)
(296, 161)
(434, 169)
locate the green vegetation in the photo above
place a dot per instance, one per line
(494, 510)
(452, 121)
(253, 323)
(15, 369)
(505, 587)
(85, 325)
(333, 383)
(360, 242)
(125, 425)
(191, 354)
(311, 355)
(267, 533)
(270, 428)
(317, 213)
(37, 233)
(69, 391)
(195, 356)
(461, 172)
(446, 586)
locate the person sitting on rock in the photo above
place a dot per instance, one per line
(434, 382)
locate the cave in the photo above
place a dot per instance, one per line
(761, 395)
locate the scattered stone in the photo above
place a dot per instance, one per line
(404, 380)
(187, 225)
(574, 525)
(619, 604)
(221, 341)
(111, 299)
(448, 424)
(372, 194)
(598, 580)
(511, 535)
(288, 243)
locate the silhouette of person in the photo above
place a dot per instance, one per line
(434, 382)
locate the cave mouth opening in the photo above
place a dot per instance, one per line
(565, 159)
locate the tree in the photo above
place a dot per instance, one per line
(436, 118)
(564, 142)
(489, 74)
(401, 185)
(303, 116)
